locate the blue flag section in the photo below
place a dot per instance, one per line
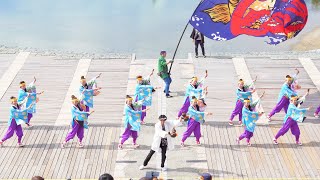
(196, 115)
(223, 20)
(243, 95)
(144, 93)
(286, 91)
(87, 97)
(249, 119)
(20, 116)
(32, 99)
(191, 91)
(132, 118)
(295, 113)
(80, 116)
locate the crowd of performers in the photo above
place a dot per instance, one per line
(23, 108)
(192, 113)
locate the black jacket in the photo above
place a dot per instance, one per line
(194, 36)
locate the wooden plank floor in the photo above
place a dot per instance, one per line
(218, 154)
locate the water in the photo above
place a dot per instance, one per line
(119, 26)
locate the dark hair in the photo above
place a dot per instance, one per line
(288, 76)
(106, 176)
(73, 97)
(82, 77)
(22, 82)
(127, 96)
(37, 178)
(162, 52)
(139, 76)
(12, 97)
(246, 99)
(206, 176)
(162, 117)
(193, 97)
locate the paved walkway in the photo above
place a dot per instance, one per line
(218, 154)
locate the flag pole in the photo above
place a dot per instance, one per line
(175, 52)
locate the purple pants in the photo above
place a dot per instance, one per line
(237, 111)
(290, 124)
(87, 108)
(144, 114)
(78, 130)
(282, 104)
(247, 134)
(193, 126)
(318, 110)
(13, 128)
(127, 133)
(185, 107)
(29, 117)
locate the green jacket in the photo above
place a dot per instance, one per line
(163, 68)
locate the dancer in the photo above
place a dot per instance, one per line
(249, 116)
(131, 123)
(79, 117)
(196, 117)
(294, 115)
(29, 92)
(88, 90)
(195, 88)
(162, 140)
(143, 93)
(244, 91)
(18, 116)
(283, 99)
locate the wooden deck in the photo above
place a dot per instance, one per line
(219, 154)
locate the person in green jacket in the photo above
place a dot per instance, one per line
(163, 72)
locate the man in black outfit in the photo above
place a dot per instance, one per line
(198, 38)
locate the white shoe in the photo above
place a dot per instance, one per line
(164, 169)
(316, 115)
(63, 145)
(275, 141)
(142, 167)
(120, 146)
(81, 145)
(269, 118)
(135, 146)
(20, 145)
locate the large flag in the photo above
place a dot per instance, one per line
(144, 93)
(222, 20)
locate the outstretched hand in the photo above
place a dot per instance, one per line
(262, 94)
(152, 72)
(255, 79)
(206, 74)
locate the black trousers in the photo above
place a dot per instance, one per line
(196, 43)
(163, 157)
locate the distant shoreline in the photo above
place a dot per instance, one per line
(309, 41)
(306, 47)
